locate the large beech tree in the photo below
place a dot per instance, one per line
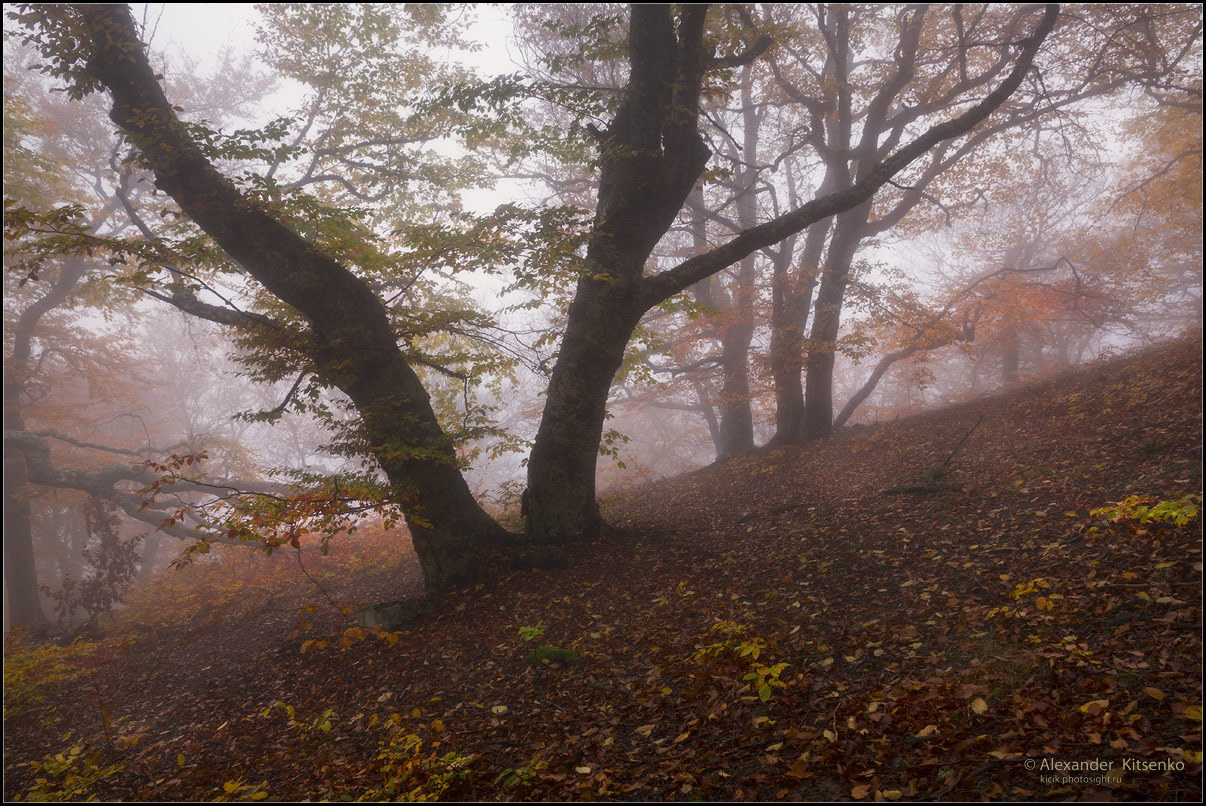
(651, 157)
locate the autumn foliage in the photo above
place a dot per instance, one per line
(770, 628)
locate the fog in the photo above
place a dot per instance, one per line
(159, 395)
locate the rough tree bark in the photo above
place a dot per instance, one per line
(651, 157)
(352, 341)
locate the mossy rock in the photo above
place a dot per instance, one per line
(393, 615)
(544, 655)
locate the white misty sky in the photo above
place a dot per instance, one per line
(198, 32)
(201, 30)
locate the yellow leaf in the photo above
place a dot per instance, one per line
(860, 792)
(1094, 707)
(500, 709)
(892, 794)
(1154, 693)
(979, 705)
(180, 759)
(1192, 756)
(416, 713)
(644, 730)
(583, 770)
(259, 795)
(681, 737)
(830, 735)
(928, 730)
(1194, 712)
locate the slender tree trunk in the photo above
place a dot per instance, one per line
(736, 419)
(20, 574)
(826, 322)
(20, 570)
(867, 388)
(709, 414)
(792, 301)
(705, 293)
(1011, 356)
(150, 550)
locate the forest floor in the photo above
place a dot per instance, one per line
(774, 627)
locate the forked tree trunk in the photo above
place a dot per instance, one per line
(651, 157)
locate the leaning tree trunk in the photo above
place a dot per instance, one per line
(350, 340)
(867, 388)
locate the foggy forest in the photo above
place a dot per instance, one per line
(569, 402)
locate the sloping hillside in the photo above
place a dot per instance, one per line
(774, 627)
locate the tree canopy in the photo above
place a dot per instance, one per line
(738, 159)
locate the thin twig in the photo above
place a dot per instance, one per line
(317, 584)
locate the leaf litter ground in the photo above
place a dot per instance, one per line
(771, 628)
